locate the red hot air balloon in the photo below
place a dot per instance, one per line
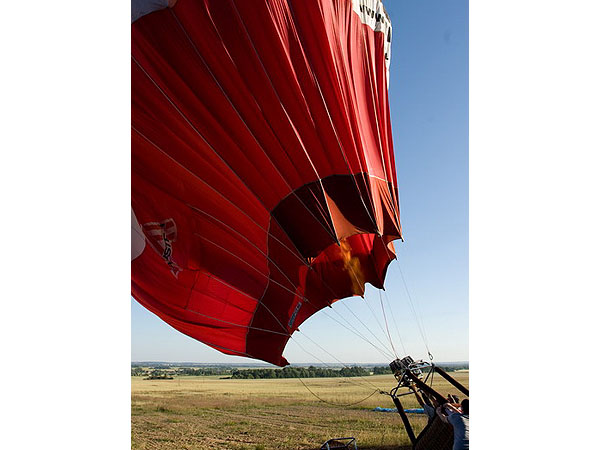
(263, 177)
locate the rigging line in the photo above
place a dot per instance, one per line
(334, 310)
(416, 308)
(364, 325)
(323, 362)
(338, 404)
(348, 166)
(394, 320)
(333, 356)
(377, 320)
(322, 280)
(417, 318)
(386, 324)
(357, 333)
(332, 367)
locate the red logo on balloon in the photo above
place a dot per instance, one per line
(161, 236)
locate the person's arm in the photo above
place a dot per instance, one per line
(441, 415)
(451, 408)
(427, 400)
(419, 399)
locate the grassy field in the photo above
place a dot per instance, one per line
(214, 413)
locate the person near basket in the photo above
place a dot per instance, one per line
(458, 417)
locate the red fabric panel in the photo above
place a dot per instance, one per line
(262, 166)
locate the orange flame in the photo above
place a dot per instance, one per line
(353, 267)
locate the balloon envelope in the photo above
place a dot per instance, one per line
(263, 177)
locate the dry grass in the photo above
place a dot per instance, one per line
(213, 413)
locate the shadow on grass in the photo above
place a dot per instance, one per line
(387, 447)
(383, 447)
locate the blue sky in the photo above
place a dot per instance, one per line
(429, 108)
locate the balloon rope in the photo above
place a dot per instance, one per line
(415, 313)
(386, 324)
(328, 364)
(338, 404)
(379, 324)
(394, 320)
(365, 325)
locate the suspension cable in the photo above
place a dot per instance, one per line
(395, 324)
(364, 324)
(338, 404)
(334, 357)
(415, 313)
(386, 324)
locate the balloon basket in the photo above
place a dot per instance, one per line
(415, 375)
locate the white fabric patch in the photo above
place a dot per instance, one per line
(138, 240)
(140, 8)
(373, 14)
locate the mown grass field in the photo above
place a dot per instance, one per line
(214, 413)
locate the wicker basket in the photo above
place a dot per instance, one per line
(437, 435)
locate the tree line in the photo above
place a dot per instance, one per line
(300, 372)
(179, 371)
(286, 372)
